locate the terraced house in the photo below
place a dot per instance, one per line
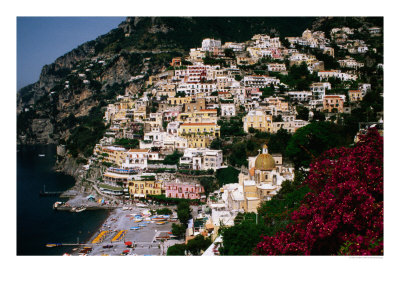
(211, 129)
(143, 185)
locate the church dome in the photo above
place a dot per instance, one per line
(264, 162)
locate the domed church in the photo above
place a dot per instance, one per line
(263, 179)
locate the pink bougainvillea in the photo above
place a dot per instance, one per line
(343, 213)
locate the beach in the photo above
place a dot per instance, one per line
(118, 230)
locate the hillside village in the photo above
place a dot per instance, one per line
(170, 140)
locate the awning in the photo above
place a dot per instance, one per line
(128, 243)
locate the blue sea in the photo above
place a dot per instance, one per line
(37, 222)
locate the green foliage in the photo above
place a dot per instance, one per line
(198, 244)
(242, 238)
(24, 120)
(267, 91)
(184, 212)
(229, 53)
(89, 131)
(277, 143)
(227, 175)
(298, 77)
(238, 155)
(216, 144)
(180, 94)
(238, 77)
(127, 143)
(302, 112)
(164, 211)
(209, 184)
(178, 230)
(276, 212)
(310, 141)
(173, 159)
(233, 127)
(176, 250)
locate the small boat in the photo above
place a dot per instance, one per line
(42, 155)
(142, 225)
(134, 228)
(138, 220)
(80, 209)
(160, 223)
(53, 245)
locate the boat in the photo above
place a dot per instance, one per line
(80, 209)
(160, 223)
(42, 155)
(57, 204)
(138, 220)
(134, 228)
(142, 225)
(53, 245)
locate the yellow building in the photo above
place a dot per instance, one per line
(179, 100)
(198, 141)
(205, 113)
(141, 187)
(199, 129)
(257, 119)
(110, 154)
(168, 90)
(355, 95)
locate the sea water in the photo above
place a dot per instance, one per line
(37, 222)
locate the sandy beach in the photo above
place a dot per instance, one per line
(119, 224)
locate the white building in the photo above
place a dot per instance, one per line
(228, 109)
(302, 96)
(260, 81)
(210, 44)
(202, 159)
(318, 89)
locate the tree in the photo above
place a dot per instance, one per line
(178, 230)
(243, 237)
(176, 250)
(198, 244)
(227, 175)
(302, 112)
(343, 212)
(184, 212)
(216, 144)
(238, 77)
(310, 141)
(277, 142)
(164, 211)
(180, 94)
(229, 53)
(127, 143)
(173, 159)
(209, 184)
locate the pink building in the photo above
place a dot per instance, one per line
(183, 190)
